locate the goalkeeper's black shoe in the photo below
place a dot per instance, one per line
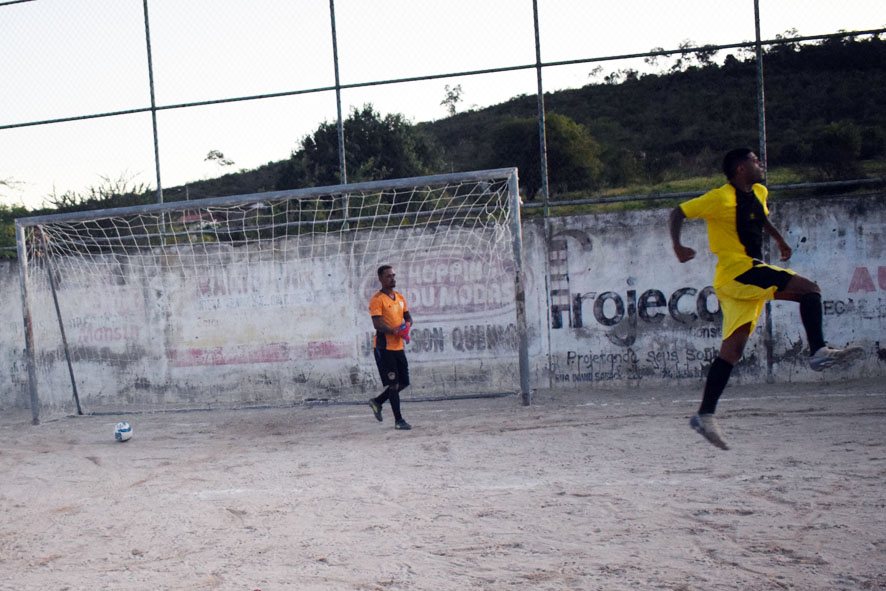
(376, 410)
(402, 425)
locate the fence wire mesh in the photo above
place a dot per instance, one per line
(147, 91)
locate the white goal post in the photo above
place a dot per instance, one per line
(262, 299)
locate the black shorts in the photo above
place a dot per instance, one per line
(765, 276)
(392, 367)
(742, 299)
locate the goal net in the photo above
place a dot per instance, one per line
(263, 299)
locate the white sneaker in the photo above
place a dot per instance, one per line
(707, 426)
(826, 357)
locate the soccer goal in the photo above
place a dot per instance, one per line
(263, 299)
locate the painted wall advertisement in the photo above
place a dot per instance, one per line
(607, 304)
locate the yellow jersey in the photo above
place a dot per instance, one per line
(735, 227)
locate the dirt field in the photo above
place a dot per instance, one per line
(608, 491)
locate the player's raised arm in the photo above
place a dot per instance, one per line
(675, 223)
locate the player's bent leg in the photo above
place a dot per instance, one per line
(796, 287)
(812, 316)
(808, 294)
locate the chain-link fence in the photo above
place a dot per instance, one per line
(165, 93)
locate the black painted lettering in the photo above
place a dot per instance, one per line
(599, 306)
(576, 311)
(674, 305)
(651, 298)
(701, 305)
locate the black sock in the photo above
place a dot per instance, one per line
(811, 315)
(394, 396)
(384, 396)
(718, 376)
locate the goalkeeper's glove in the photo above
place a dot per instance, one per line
(403, 331)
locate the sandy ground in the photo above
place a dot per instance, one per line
(584, 491)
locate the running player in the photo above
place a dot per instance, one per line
(392, 321)
(736, 216)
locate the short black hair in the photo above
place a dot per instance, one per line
(733, 158)
(383, 268)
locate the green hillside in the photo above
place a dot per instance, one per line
(673, 125)
(825, 114)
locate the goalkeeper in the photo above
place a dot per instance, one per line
(736, 216)
(392, 321)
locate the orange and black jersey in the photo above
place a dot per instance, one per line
(391, 311)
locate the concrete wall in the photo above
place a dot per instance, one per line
(217, 325)
(276, 329)
(631, 313)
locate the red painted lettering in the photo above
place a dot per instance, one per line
(861, 281)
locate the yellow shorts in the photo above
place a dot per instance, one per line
(742, 298)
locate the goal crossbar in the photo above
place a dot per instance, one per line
(306, 193)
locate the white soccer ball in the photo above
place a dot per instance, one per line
(122, 431)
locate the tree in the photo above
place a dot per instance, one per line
(688, 55)
(453, 97)
(376, 148)
(788, 45)
(622, 75)
(873, 142)
(111, 192)
(9, 183)
(218, 157)
(515, 143)
(7, 228)
(835, 150)
(623, 166)
(573, 155)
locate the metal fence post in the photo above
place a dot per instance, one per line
(542, 133)
(153, 104)
(761, 122)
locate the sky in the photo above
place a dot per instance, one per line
(67, 58)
